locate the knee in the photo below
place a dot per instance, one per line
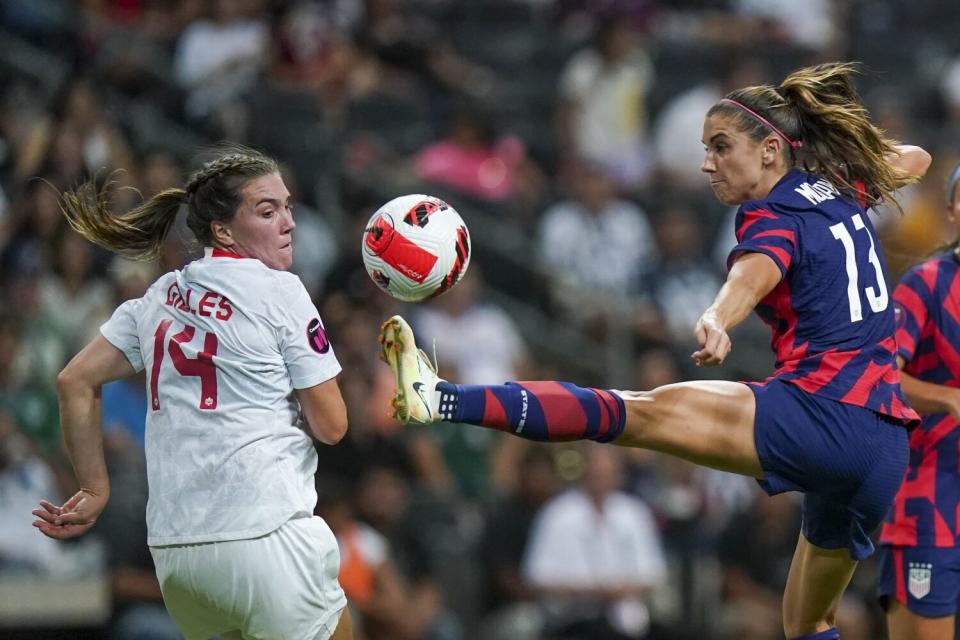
(645, 410)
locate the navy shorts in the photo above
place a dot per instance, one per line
(926, 580)
(848, 460)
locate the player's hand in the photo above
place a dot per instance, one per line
(714, 342)
(74, 518)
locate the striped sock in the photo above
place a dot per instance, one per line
(545, 411)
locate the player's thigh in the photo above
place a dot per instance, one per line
(707, 422)
(344, 630)
(903, 624)
(817, 579)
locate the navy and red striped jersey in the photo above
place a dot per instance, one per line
(831, 314)
(927, 302)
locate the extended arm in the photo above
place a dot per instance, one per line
(324, 411)
(78, 389)
(752, 277)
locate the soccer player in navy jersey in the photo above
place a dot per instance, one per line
(831, 421)
(919, 558)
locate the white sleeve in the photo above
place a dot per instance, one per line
(651, 566)
(121, 331)
(304, 343)
(553, 555)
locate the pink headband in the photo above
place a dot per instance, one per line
(794, 144)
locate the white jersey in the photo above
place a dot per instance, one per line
(225, 342)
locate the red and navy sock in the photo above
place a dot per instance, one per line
(545, 411)
(829, 634)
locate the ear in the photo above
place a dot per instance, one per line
(771, 150)
(221, 234)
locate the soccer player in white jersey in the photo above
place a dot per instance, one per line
(240, 374)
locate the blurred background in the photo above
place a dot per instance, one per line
(567, 134)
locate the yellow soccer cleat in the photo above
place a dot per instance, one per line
(416, 398)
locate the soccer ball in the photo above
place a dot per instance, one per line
(415, 247)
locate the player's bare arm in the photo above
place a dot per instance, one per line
(751, 278)
(324, 411)
(78, 388)
(928, 398)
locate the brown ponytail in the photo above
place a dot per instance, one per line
(820, 107)
(136, 234)
(212, 193)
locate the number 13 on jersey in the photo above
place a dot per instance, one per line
(878, 297)
(201, 367)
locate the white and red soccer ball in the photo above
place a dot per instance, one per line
(415, 247)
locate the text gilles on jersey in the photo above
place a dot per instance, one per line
(210, 305)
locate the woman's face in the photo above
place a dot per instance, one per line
(263, 225)
(734, 162)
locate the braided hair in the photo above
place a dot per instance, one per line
(818, 110)
(213, 192)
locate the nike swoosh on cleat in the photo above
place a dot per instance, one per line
(418, 387)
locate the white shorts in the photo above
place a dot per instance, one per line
(281, 586)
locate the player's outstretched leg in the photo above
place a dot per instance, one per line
(707, 422)
(546, 411)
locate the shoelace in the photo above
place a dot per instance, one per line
(433, 365)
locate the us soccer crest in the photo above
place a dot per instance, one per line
(919, 578)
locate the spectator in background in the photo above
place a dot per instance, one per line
(594, 244)
(34, 228)
(42, 343)
(316, 238)
(32, 403)
(510, 610)
(24, 479)
(312, 51)
(159, 169)
(368, 575)
(594, 554)
(410, 42)
(813, 25)
(474, 161)
(676, 134)
(72, 295)
(755, 551)
(603, 114)
(386, 500)
(218, 59)
(682, 281)
(103, 144)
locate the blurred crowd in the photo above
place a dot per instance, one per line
(567, 134)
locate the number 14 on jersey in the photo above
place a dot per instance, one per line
(201, 366)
